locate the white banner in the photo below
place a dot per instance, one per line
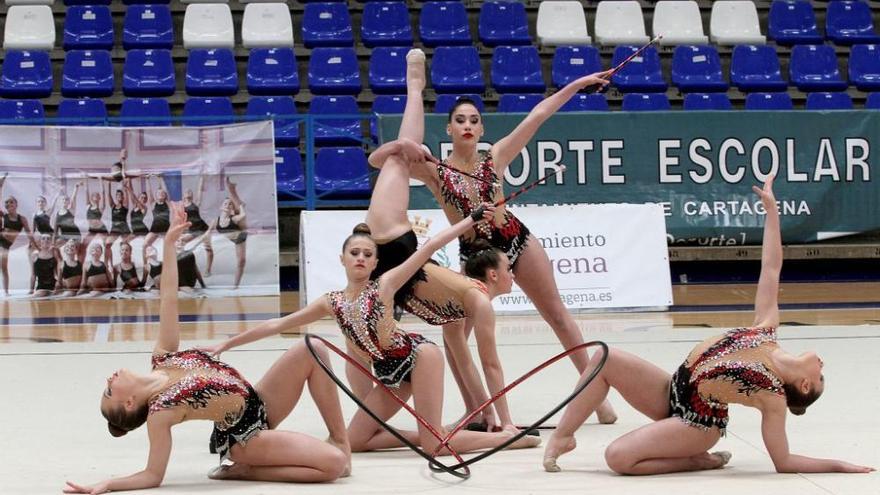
(602, 256)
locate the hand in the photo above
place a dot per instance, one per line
(484, 213)
(846, 467)
(102, 487)
(597, 78)
(766, 194)
(213, 350)
(411, 150)
(178, 222)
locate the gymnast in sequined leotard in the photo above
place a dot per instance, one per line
(193, 385)
(690, 407)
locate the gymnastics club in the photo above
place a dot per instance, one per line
(529, 187)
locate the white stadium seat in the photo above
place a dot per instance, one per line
(29, 27)
(735, 22)
(562, 23)
(266, 25)
(208, 25)
(679, 22)
(620, 23)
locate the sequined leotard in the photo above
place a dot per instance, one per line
(370, 327)
(731, 368)
(205, 388)
(460, 195)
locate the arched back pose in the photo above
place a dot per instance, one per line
(44, 260)
(189, 384)
(192, 202)
(66, 228)
(43, 215)
(12, 224)
(689, 408)
(119, 229)
(70, 269)
(232, 223)
(97, 275)
(158, 197)
(97, 203)
(408, 362)
(126, 271)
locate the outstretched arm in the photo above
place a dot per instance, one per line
(767, 296)
(169, 326)
(76, 187)
(198, 199)
(134, 197)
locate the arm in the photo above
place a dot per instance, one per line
(241, 215)
(73, 197)
(505, 150)
(766, 297)
(484, 328)
(52, 208)
(198, 199)
(456, 342)
(134, 198)
(109, 192)
(33, 257)
(150, 192)
(169, 329)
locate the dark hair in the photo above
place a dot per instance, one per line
(120, 421)
(359, 230)
(798, 401)
(484, 257)
(463, 100)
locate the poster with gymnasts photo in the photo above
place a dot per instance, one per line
(84, 210)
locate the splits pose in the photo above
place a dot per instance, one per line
(189, 384)
(690, 407)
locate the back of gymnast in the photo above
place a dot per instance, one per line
(690, 407)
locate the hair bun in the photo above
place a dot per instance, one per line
(115, 430)
(480, 244)
(797, 411)
(361, 228)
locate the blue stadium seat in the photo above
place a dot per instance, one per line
(583, 102)
(645, 102)
(82, 112)
(756, 68)
(504, 23)
(342, 172)
(769, 101)
(87, 73)
(517, 69)
(792, 22)
(523, 103)
(326, 24)
(145, 112)
(829, 101)
(148, 72)
(642, 74)
(850, 22)
(286, 126)
(864, 67)
(444, 24)
(445, 103)
(573, 62)
(697, 69)
(88, 27)
(330, 132)
(147, 26)
(385, 104)
(208, 111)
(707, 101)
(814, 68)
(388, 70)
(334, 71)
(872, 102)
(386, 24)
(272, 71)
(26, 74)
(456, 69)
(211, 72)
(290, 181)
(21, 112)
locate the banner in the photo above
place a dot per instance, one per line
(602, 256)
(85, 210)
(699, 166)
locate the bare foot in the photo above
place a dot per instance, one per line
(556, 447)
(415, 70)
(237, 471)
(605, 413)
(345, 447)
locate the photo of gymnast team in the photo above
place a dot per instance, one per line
(72, 238)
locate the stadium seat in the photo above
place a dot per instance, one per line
(850, 22)
(872, 102)
(756, 68)
(326, 24)
(769, 101)
(522, 103)
(583, 102)
(792, 22)
(864, 67)
(148, 72)
(642, 74)
(386, 24)
(82, 112)
(829, 101)
(290, 181)
(707, 101)
(87, 73)
(29, 27)
(697, 69)
(88, 28)
(286, 126)
(272, 71)
(517, 69)
(208, 111)
(147, 26)
(503, 23)
(334, 71)
(444, 24)
(645, 102)
(735, 22)
(26, 74)
(208, 25)
(572, 62)
(77, 2)
(679, 22)
(562, 23)
(387, 73)
(456, 69)
(445, 103)
(385, 104)
(335, 131)
(342, 172)
(138, 2)
(620, 23)
(21, 112)
(266, 25)
(145, 112)
(211, 72)
(814, 68)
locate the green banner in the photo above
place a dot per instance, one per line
(699, 165)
